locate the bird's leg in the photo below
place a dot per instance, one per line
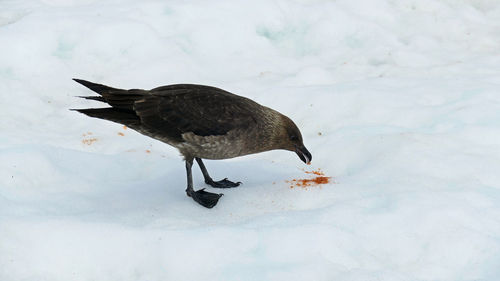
(206, 199)
(225, 183)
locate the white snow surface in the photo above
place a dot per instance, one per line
(398, 101)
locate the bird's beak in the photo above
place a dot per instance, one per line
(303, 154)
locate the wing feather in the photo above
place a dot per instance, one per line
(205, 111)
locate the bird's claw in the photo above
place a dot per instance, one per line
(204, 198)
(225, 183)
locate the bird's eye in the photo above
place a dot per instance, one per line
(293, 138)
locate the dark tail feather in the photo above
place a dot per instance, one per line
(125, 117)
(118, 98)
(92, 98)
(98, 88)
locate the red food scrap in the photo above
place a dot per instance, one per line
(319, 178)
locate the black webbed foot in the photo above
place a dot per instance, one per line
(204, 198)
(225, 183)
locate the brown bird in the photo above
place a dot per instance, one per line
(201, 122)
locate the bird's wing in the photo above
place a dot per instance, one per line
(205, 111)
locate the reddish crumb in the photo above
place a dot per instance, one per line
(309, 182)
(121, 134)
(124, 127)
(319, 179)
(89, 141)
(148, 151)
(318, 172)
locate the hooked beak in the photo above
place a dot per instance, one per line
(303, 154)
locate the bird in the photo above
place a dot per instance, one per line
(202, 122)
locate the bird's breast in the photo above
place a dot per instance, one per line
(233, 144)
(210, 147)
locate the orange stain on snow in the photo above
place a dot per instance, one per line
(318, 179)
(87, 139)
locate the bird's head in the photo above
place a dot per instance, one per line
(291, 139)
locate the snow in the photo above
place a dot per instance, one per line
(398, 101)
